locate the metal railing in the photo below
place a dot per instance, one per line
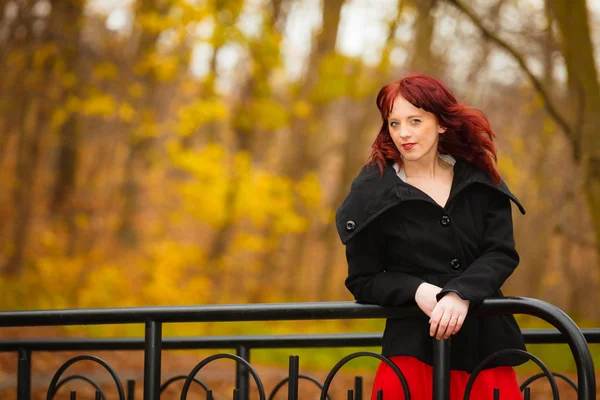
(153, 343)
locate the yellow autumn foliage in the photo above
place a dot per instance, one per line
(105, 71)
(43, 54)
(99, 105)
(198, 113)
(337, 76)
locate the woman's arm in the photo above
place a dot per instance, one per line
(485, 276)
(367, 279)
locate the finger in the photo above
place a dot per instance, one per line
(443, 325)
(459, 323)
(451, 325)
(434, 321)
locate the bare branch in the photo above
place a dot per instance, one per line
(562, 122)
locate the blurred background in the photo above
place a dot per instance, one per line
(169, 152)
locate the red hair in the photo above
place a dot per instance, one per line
(468, 132)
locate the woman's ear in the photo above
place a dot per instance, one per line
(441, 130)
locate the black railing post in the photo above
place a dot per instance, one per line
(242, 376)
(24, 375)
(441, 369)
(358, 387)
(293, 375)
(131, 389)
(152, 355)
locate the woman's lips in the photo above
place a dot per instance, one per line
(408, 146)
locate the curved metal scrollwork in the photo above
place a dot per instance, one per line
(352, 356)
(83, 378)
(534, 378)
(505, 352)
(203, 363)
(54, 383)
(183, 377)
(285, 380)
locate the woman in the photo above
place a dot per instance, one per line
(428, 220)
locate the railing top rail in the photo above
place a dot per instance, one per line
(256, 312)
(537, 336)
(203, 313)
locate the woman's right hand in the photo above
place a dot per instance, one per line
(425, 297)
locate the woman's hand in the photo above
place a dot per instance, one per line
(425, 297)
(448, 316)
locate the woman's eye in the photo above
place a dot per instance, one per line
(415, 121)
(393, 124)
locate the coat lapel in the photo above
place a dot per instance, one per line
(371, 194)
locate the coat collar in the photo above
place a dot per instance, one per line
(371, 194)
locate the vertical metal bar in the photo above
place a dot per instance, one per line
(350, 394)
(293, 378)
(496, 394)
(441, 369)
(98, 395)
(380, 394)
(236, 394)
(130, 389)
(24, 375)
(152, 354)
(209, 395)
(242, 376)
(527, 394)
(358, 387)
(73, 395)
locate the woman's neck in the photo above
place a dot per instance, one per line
(427, 167)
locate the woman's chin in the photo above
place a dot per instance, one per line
(411, 156)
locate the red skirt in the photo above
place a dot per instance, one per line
(419, 377)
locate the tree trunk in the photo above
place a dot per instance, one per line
(26, 171)
(29, 120)
(136, 160)
(422, 59)
(353, 155)
(256, 85)
(578, 51)
(65, 28)
(302, 158)
(244, 134)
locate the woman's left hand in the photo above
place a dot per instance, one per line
(448, 316)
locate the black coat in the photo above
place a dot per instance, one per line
(397, 237)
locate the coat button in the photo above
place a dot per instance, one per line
(455, 263)
(445, 221)
(350, 225)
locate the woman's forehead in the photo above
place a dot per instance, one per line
(402, 108)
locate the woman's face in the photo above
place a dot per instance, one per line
(415, 132)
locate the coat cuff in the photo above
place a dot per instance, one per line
(446, 291)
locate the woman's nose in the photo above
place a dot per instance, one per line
(404, 133)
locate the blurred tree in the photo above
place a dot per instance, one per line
(65, 30)
(301, 152)
(29, 69)
(572, 19)
(150, 17)
(583, 90)
(423, 59)
(254, 113)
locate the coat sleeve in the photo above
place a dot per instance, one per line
(368, 280)
(485, 276)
